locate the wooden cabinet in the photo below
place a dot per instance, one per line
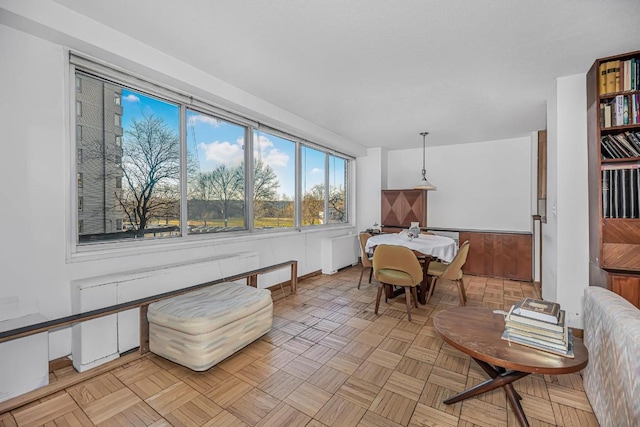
(626, 286)
(506, 255)
(613, 136)
(402, 207)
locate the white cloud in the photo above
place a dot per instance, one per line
(316, 171)
(276, 158)
(201, 118)
(131, 98)
(271, 156)
(223, 152)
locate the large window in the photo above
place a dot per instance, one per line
(215, 170)
(150, 164)
(313, 163)
(137, 183)
(274, 181)
(337, 189)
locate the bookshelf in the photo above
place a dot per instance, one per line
(613, 134)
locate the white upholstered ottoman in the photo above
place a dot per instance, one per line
(203, 327)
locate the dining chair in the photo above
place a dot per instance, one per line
(367, 260)
(452, 271)
(397, 266)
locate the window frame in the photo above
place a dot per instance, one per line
(133, 82)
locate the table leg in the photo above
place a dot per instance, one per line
(493, 372)
(513, 398)
(499, 378)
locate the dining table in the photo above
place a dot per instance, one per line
(425, 246)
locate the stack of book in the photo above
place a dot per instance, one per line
(539, 324)
(616, 76)
(620, 146)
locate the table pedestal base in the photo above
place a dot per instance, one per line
(499, 378)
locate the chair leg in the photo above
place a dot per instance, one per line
(361, 273)
(414, 292)
(431, 288)
(407, 294)
(370, 274)
(378, 297)
(461, 292)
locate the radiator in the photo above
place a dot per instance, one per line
(101, 340)
(455, 235)
(339, 252)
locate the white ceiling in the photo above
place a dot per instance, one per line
(378, 72)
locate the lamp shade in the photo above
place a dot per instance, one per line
(424, 184)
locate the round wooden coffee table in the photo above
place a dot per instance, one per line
(477, 331)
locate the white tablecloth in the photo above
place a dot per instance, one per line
(441, 247)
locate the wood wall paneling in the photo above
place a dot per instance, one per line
(626, 286)
(542, 164)
(503, 255)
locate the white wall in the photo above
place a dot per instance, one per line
(34, 170)
(550, 228)
(481, 186)
(369, 179)
(566, 234)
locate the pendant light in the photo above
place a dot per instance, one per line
(424, 183)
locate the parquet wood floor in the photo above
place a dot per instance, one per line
(329, 361)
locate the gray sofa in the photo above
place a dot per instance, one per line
(612, 377)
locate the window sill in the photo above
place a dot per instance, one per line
(100, 251)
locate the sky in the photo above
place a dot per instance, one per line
(213, 142)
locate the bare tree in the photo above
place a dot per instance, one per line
(225, 184)
(265, 187)
(336, 204)
(151, 170)
(313, 205)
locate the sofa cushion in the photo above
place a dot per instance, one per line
(612, 377)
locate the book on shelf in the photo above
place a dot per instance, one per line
(633, 139)
(629, 147)
(614, 196)
(617, 107)
(513, 319)
(625, 110)
(607, 115)
(605, 194)
(620, 190)
(560, 352)
(611, 147)
(602, 78)
(624, 186)
(617, 75)
(610, 76)
(633, 193)
(538, 309)
(605, 152)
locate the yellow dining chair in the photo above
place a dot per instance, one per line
(453, 271)
(397, 266)
(367, 261)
